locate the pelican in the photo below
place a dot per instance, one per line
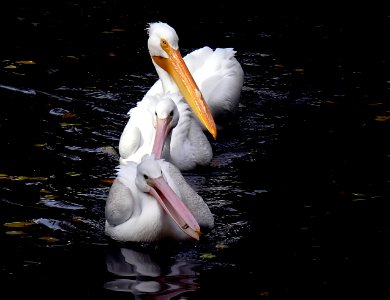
(168, 130)
(215, 74)
(152, 201)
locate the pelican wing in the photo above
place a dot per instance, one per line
(197, 58)
(130, 141)
(119, 205)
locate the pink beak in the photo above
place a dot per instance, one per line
(162, 131)
(175, 207)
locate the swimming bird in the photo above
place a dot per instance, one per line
(174, 74)
(215, 74)
(152, 201)
(165, 126)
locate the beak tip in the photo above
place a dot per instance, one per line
(213, 131)
(198, 233)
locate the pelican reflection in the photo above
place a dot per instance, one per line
(141, 273)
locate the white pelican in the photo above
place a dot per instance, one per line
(152, 201)
(157, 125)
(217, 74)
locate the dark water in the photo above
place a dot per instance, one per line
(299, 188)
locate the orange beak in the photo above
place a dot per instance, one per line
(175, 66)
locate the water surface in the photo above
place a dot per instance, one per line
(299, 187)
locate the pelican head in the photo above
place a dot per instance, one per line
(157, 33)
(163, 45)
(150, 180)
(166, 117)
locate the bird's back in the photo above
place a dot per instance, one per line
(220, 79)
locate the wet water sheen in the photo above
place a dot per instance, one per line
(299, 187)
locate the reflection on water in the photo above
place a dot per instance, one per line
(141, 274)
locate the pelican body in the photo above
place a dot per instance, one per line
(152, 201)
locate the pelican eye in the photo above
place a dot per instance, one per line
(164, 43)
(171, 113)
(146, 177)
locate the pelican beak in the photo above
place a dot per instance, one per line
(162, 131)
(175, 207)
(175, 66)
